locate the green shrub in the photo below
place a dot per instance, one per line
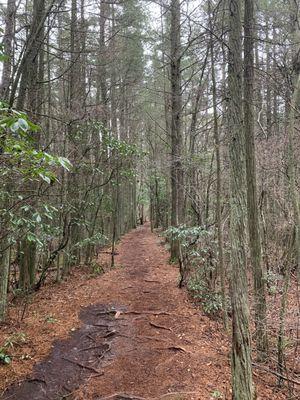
(211, 300)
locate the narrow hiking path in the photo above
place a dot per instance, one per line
(138, 336)
(159, 352)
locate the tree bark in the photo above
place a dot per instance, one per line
(221, 265)
(242, 382)
(177, 188)
(252, 204)
(8, 49)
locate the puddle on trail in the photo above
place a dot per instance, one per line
(72, 360)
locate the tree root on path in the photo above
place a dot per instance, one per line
(160, 326)
(174, 348)
(142, 312)
(105, 352)
(140, 337)
(125, 396)
(122, 396)
(152, 338)
(110, 334)
(91, 348)
(83, 366)
(147, 312)
(37, 380)
(174, 394)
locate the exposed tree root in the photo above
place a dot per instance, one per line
(174, 348)
(122, 396)
(125, 396)
(146, 312)
(174, 394)
(83, 366)
(160, 326)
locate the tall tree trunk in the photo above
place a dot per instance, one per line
(252, 205)
(242, 383)
(30, 96)
(221, 265)
(176, 130)
(293, 126)
(4, 95)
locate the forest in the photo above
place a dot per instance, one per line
(149, 199)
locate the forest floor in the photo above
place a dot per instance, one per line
(127, 334)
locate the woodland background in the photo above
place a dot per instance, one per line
(182, 112)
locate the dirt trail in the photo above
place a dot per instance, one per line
(156, 352)
(141, 338)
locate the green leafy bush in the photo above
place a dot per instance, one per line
(199, 253)
(96, 239)
(23, 163)
(211, 300)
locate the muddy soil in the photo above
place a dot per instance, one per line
(71, 361)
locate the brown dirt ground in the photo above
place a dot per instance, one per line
(160, 347)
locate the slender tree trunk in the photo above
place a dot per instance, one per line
(4, 95)
(30, 96)
(194, 197)
(293, 126)
(282, 312)
(29, 64)
(4, 274)
(252, 204)
(268, 85)
(219, 178)
(7, 49)
(242, 382)
(176, 133)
